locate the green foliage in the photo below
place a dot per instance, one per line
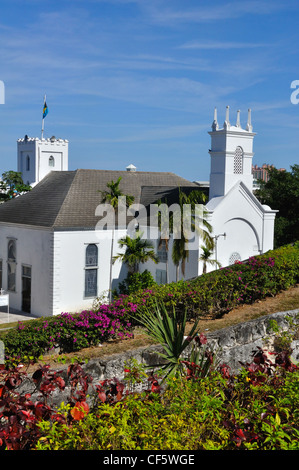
(284, 338)
(168, 331)
(137, 251)
(199, 225)
(256, 409)
(281, 193)
(212, 294)
(136, 281)
(216, 293)
(205, 257)
(12, 185)
(67, 332)
(211, 414)
(113, 192)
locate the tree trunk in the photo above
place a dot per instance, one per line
(111, 257)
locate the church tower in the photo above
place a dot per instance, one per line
(37, 157)
(231, 155)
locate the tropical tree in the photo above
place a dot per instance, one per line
(138, 250)
(198, 225)
(163, 223)
(205, 257)
(111, 196)
(281, 192)
(12, 185)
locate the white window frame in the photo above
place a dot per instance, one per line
(88, 268)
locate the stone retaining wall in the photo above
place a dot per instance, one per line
(233, 345)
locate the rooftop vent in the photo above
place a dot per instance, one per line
(131, 168)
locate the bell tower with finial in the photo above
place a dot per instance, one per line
(231, 154)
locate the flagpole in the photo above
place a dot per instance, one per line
(43, 119)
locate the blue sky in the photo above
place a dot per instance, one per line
(136, 81)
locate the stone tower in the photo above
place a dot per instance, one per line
(37, 157)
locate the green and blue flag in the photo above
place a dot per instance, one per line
(45, 110)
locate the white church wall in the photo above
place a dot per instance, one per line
(39, 152)
(248, 229)
(191, 265)
(56, 149)
(27, 162)
(268, 231)
(69, 267)
(224, 143)
(34, 249)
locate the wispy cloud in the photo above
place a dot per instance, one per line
(153, 134)
(221, 45)
(210, 13)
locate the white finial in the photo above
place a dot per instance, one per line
(249, 126)
(238, 119)
(215, 125)
(226, 122)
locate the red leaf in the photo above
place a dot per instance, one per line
(102, 396)
(60, 382)
(240, 433)
(155, 386)
(80, 410)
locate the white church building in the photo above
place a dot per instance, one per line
(242, 226)
(53, 258)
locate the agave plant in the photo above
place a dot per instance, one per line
(169, 331)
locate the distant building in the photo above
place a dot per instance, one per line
(262, 172)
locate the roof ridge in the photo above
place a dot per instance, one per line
(135, 172)
(66, 195)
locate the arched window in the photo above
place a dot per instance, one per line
(51, 161)
(234, 257)
(91, 271)
(27, 163)
(11, 250)
(162, 251)
(238, 161)
(11, 265)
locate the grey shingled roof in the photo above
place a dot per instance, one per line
(68, 199)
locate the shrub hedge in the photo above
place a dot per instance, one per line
(65, 332)
(212, 294)
(216, 293)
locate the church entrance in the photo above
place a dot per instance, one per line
(26, 289)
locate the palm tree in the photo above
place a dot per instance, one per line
(205, 258)
(164, 237)
(137, 251)
(199, 225)
(111, 196)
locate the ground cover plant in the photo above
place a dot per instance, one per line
(254, 410)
